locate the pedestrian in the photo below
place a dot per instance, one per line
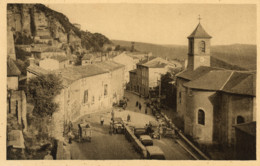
(80, 132)
(140, 106)
(112, 115)
(146, 110)
(136, 104)
(128, 118)
(101, 120)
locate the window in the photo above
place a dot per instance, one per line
(202, 46)
(240, 119)
(201, 117)
(105, 89)
(191, 46)
(179, 97)
(85, 96)
(93, 99)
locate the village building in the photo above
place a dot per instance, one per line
(148, 74)
(54, 63)
(79, 95)
(46, 52)
(87, 59)
(211, 100)
(127, 61)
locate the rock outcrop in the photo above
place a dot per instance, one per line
(32, 23)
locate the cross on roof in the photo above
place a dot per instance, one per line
(199, 18)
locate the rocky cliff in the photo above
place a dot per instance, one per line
(34, 22)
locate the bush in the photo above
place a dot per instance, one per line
(42, 90)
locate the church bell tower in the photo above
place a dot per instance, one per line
(199, 48)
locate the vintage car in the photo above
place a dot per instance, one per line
(138, 131)
(155, 153)
(146, 140)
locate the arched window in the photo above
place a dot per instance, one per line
(201, 117)
(240, 119)
(202, 46)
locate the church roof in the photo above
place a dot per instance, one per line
(199, 32)
(229, 81)
(214, 80)
(193, 74)
(241, 83)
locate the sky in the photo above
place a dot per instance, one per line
(165, 23)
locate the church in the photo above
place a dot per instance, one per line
(211, 100)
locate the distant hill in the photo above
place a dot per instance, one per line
(236, 56)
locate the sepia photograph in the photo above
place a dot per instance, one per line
(130, 81)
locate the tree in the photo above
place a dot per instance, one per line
(117, 48)
(42, 91)
(168, 89)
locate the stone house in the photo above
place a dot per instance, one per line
(212, 100)
(87, 59)
(133, 82)
(149, 73)
(87, 89)
(127, 61)
(54, 63)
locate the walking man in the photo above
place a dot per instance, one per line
(80, 132)
(140, 106)
(101, 120)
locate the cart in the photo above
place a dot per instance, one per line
(86, 132)
(117, 125)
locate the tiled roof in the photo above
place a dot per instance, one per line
(241, 83)
(199, 32)
(213, 80)
(249, 128)
(146, 60)
(109, 65)
(87, 57)
(12, 69)
(74, 73)
(133, 71)
(36, 70)
(59, 58)
(193, 74)
(236, 82)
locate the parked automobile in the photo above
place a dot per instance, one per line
(146, 140)
(155, 153)
(138, 131)
(122, 103)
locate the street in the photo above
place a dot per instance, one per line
(115, 146)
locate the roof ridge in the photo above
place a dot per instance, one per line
(227, 80)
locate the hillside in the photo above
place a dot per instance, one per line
(31, 21)
(237, 56)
